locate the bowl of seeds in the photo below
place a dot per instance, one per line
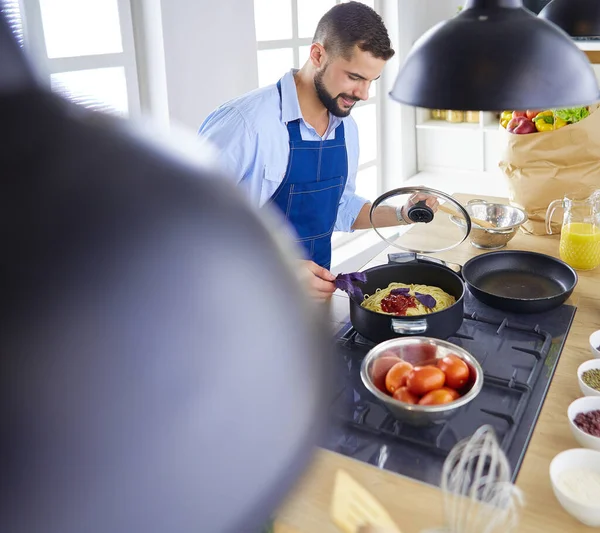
(588, 375)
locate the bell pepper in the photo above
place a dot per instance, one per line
(544, 121)
(559, 123)
(505, 118)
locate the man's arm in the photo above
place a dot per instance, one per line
(236, 143)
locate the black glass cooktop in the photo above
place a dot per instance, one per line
(518, 354)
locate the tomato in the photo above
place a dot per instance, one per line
(456, 370)
(423, 379)
(437, 397)
(532, 113)
(517, 114)
(404, 395)
(455, 394)
(396, 376)
(381, 367)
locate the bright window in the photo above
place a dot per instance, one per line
(12, 12)
(84, 47)
(284, 32)
(271, 63)
(309, 13)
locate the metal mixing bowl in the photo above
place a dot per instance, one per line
(506, 218)
(420, 351)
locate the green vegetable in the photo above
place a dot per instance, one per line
(572, 115)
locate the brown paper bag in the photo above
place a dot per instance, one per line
(546, 166)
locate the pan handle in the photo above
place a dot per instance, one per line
(405, 257)
(455, 267)
(415, 327)
(409, 257)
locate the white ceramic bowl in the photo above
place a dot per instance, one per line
(595, 343)
(584, 405)
(586, 390)
(576, 458)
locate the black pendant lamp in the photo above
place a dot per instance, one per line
(579, 18)
(495, 55)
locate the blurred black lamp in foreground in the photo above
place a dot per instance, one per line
(120, 351)
(579, 18)
(495, 55)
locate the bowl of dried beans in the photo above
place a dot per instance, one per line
(584, 420)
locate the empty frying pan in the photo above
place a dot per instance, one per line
(519, 281)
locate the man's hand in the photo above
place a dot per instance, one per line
(386, 215)
(319, 280)
(431, 201)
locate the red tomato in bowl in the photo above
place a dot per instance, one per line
(437, 397)
(456, 370)
(423, 379)
(396, 376)
(454, 393)
(381, 367)
(404, 395)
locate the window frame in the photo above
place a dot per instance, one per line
(35, 44)
(295, 43)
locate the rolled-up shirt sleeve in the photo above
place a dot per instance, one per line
(350, 203)
(226, 129)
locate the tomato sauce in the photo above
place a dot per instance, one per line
(398, 304)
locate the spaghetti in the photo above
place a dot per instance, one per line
(401, 299)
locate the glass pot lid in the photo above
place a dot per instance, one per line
(429, 221)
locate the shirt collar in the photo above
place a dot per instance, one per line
(290, 107)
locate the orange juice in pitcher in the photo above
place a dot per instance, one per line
(580, 234)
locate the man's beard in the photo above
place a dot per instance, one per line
(331, 102)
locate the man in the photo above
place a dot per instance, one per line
(293, 145)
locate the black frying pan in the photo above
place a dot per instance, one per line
(519, 281)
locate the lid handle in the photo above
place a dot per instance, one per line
(420, 212)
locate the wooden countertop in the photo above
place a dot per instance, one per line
(416, 506)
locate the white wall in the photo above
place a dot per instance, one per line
(412, 18)
(209, 55)
(430, 12)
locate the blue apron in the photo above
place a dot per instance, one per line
(309, 195)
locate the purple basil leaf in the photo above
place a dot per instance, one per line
(426, 299)
(403, 291)
(358, 276)
(344, 282)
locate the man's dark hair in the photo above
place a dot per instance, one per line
(353, 24)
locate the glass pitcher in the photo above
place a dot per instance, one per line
(580, 234)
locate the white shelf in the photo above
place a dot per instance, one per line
(444, 125)
(456, 146)
(588, 46)
(492, 127)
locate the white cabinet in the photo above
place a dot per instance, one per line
(443, 145)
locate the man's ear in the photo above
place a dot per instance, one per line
(318, 55)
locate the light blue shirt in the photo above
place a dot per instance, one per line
(251, 135)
